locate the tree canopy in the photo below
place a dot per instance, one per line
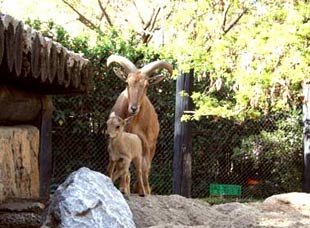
(250, 57)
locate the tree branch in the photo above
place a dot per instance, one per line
(234, 22)
(154, 19)
(148, 23)
(81, 18)
(224, 15)
(139, 13)
(105, 14)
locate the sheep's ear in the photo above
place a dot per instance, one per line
(156, 79)
(120, 73)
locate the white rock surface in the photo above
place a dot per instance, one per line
(88, 199)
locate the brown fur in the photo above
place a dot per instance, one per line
(123, 148)
(133, 101)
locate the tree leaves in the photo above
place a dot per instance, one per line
(256, 68)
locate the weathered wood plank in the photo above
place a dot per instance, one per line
(9, 46)
(44, 61)
(52, 63)
(61, 56)
(76, 75)
(35, 55)
(30, 60)
(19, 106)
(18, 48)
(68, 71)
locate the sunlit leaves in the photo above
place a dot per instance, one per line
(256, 68)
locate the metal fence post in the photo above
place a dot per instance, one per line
(306, 138)
(182, 160)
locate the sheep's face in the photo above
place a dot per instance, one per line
(115, 125)
(137, 85)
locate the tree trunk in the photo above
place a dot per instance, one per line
(306, 119)
(182, 159)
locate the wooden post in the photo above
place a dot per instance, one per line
(46, 147)
(182, 159)
(306, 120)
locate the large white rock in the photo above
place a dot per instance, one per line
(299, 201)
(88, 199)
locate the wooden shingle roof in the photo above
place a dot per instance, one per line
(37, 63)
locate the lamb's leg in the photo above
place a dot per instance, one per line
(123, 186)
(110, 169)
(127, 185)
(138, 166)
(121, 171)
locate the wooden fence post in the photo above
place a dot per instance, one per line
(45, 147)
(182, 160)
(306, 136)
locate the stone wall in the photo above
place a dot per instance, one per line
(19, 162)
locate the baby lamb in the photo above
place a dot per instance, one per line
(123, 148)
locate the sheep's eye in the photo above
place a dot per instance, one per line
(117, 127)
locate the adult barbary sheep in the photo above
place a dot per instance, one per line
(133, 101)
(123, 148)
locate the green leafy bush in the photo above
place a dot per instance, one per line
(270, 153)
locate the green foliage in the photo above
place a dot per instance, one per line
(270, 153)
(255, 68)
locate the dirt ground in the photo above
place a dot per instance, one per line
(279, 211)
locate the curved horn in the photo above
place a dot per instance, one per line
(128, 66)
(151, 67)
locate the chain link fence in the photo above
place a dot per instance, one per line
(263, 156)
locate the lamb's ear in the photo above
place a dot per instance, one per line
(112, 114)
(128, 119)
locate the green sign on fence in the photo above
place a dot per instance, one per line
(225, 190)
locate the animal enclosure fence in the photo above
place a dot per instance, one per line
(263, 156)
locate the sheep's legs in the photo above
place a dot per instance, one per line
(145, 175)
(138, 166)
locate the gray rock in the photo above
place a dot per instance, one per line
(88, 199)
(282, 211)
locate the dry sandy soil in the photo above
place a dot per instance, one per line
(290, 210)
